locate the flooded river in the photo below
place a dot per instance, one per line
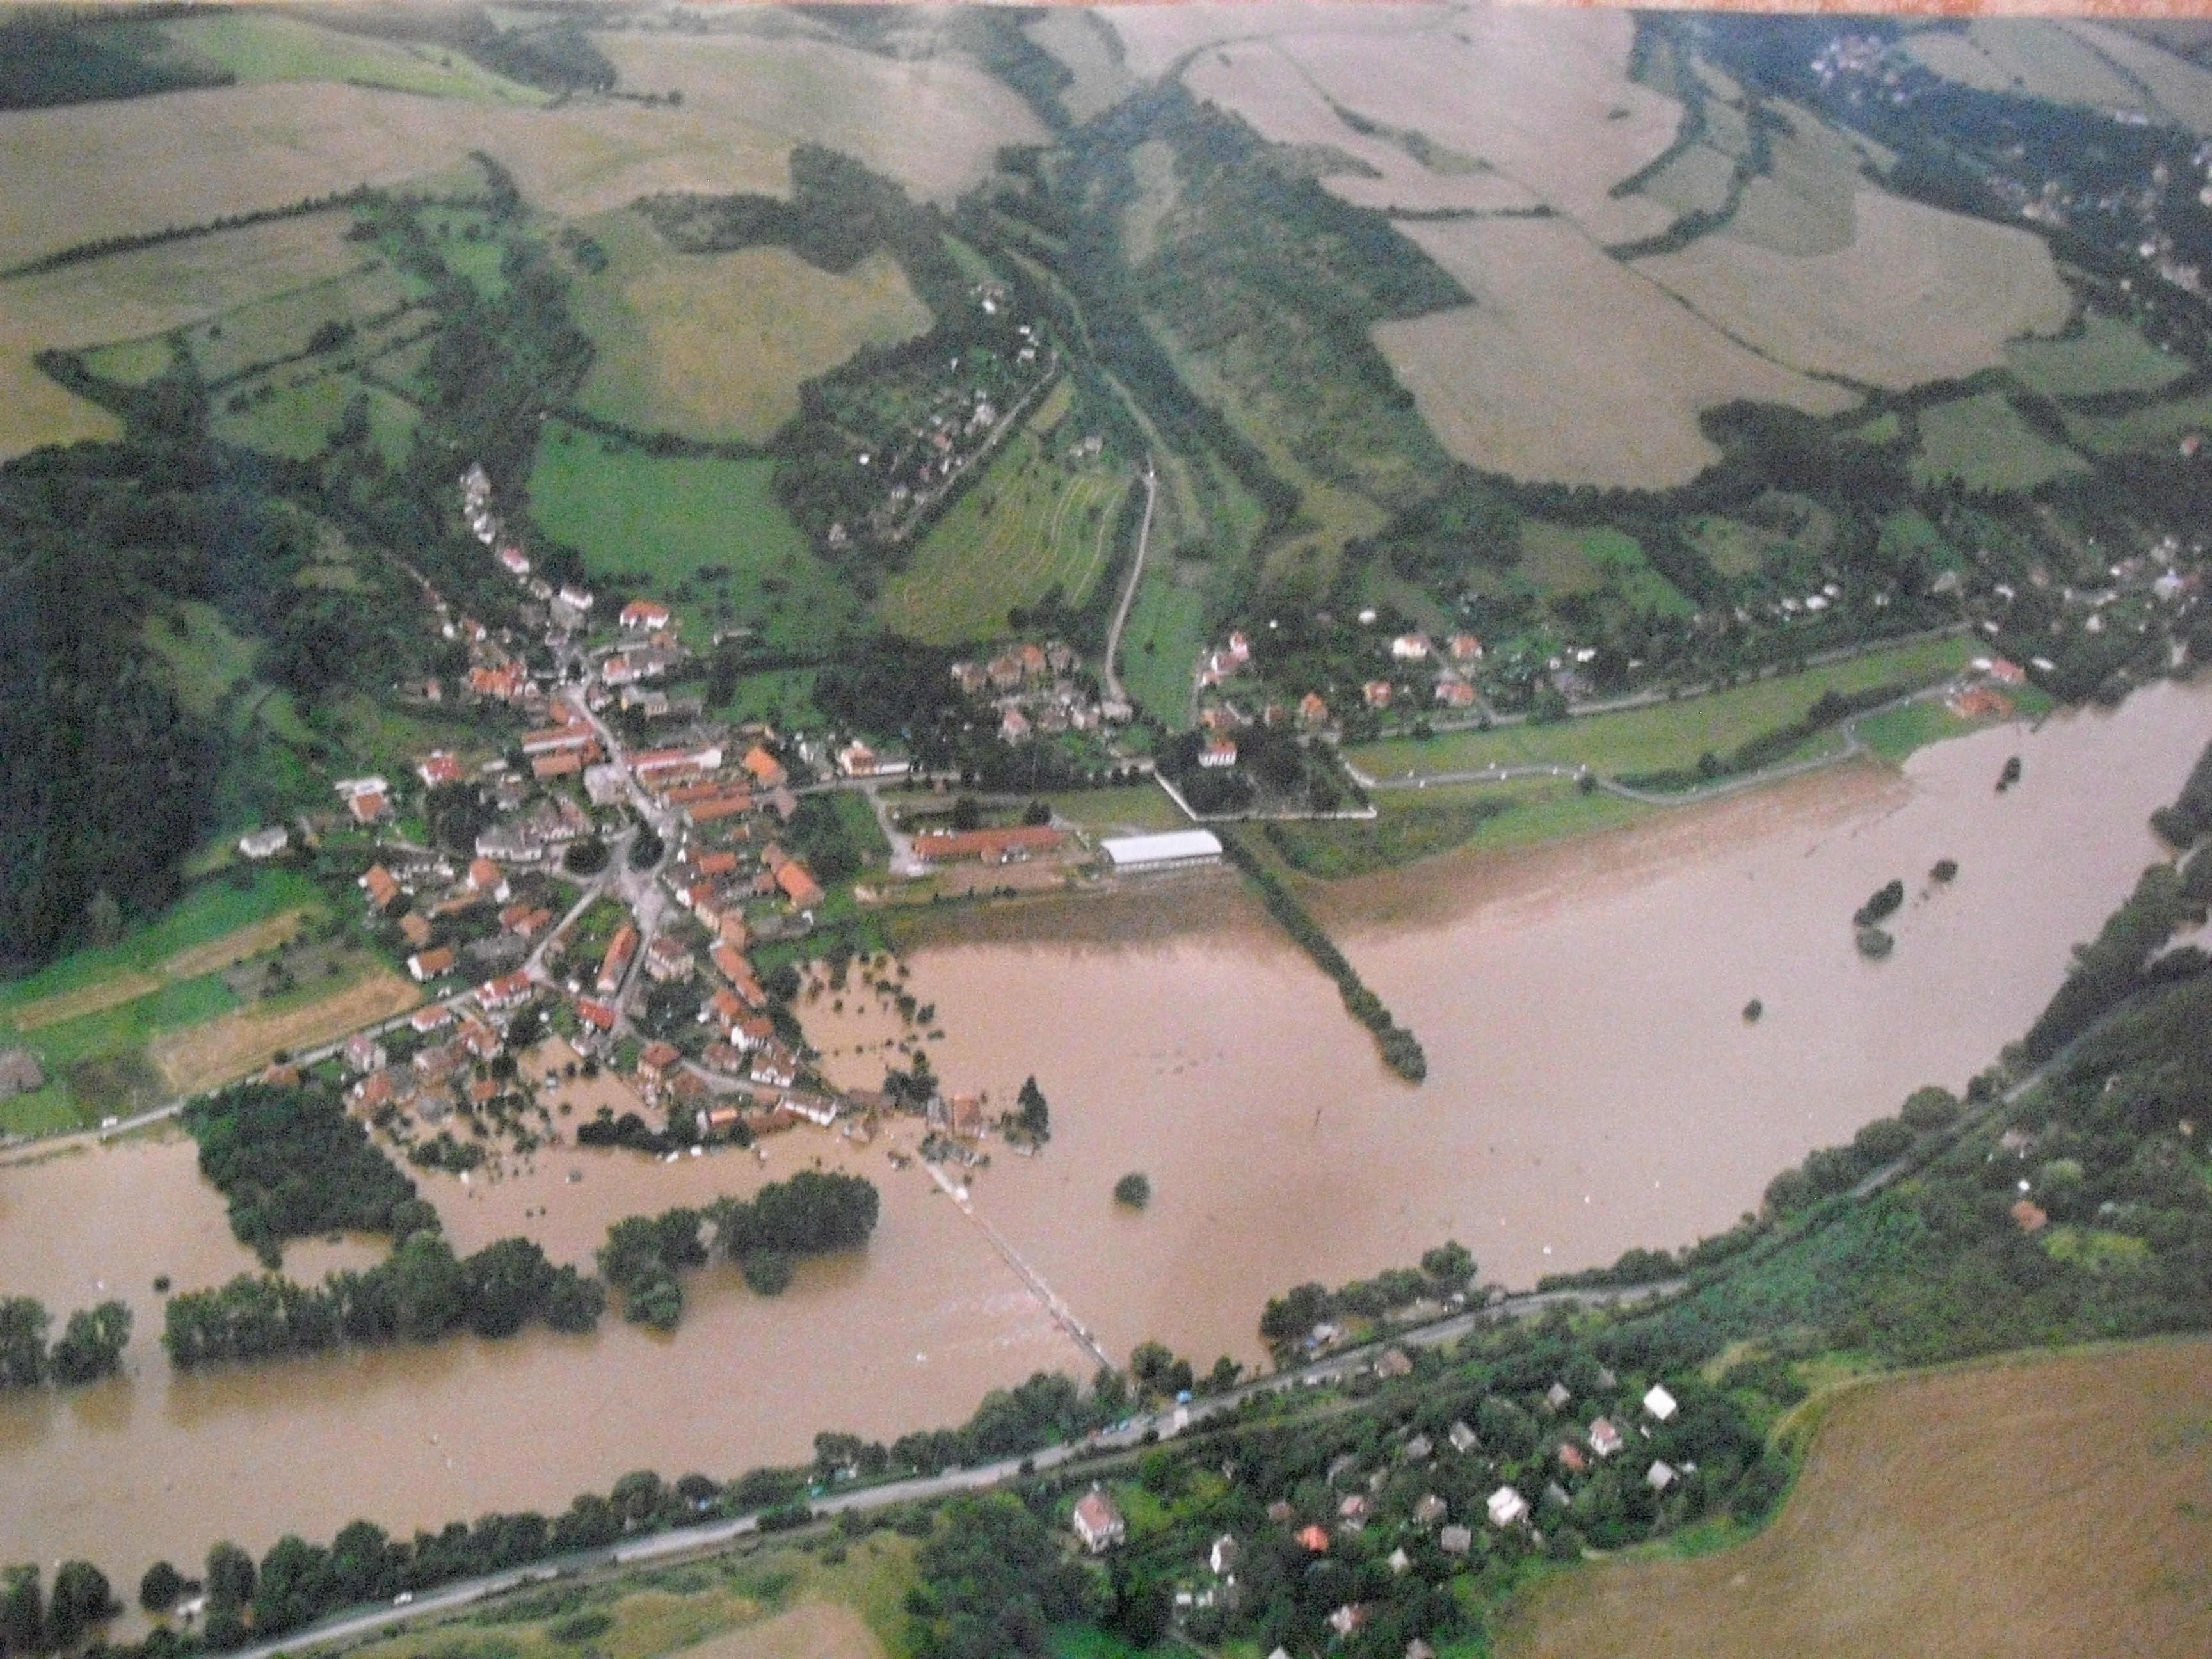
(1592, 1085)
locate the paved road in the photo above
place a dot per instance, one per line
(1129, 593)
(715, 1535)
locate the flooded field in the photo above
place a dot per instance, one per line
(1592, 1085)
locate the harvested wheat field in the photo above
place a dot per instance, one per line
(1156, 39)
(2176, 87)
(1282, 103)
(2037, 59)
(1569, 367)
(1920, 295)
(1541, 99)
(90, 171)
(230, 1046)
(1542, 96)
(935, 124)
(2052, 1507)
(716, 345)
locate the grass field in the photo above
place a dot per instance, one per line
(1663, 735)
(774, 1603)
(1034, 524)
(706, 536)
(2044, 1504)
(1138, 809)
(1568, 559)
(1160, 646)
(716, 346)
(2107, 356)
(259, 48)
(1984, 444)
(1408, 826)
(1918, 295)
(208, 912)
(1570, 368)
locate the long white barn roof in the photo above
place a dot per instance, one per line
(1123, 851)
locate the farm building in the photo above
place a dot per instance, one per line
(1178, 849)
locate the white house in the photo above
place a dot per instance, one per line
(1097, 1522)
(1410, 647)
(1661, 1404)
(1507, 1507)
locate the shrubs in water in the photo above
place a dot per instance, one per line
(1886, 903)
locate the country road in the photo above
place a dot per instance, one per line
(1129, 593)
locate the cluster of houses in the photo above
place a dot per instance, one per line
(1034, 690)
(1360, 1498)
(955, 431)
(1445, 671)
(456, 1040)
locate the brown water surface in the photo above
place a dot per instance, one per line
(1592, 1085)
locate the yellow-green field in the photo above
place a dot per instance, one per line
(1944, 1514)
(716, 346)
(1033, 524)
(1665, 735)
(1983, 443)
(2105, 355)
(1570, 559)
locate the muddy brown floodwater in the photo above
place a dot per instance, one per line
(1592, 1085)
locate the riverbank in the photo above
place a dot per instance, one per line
(1587, 1093)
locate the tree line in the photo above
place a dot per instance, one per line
(1446, 1270)
(89, 1347)
(1401, 1050)
(421, 1292)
